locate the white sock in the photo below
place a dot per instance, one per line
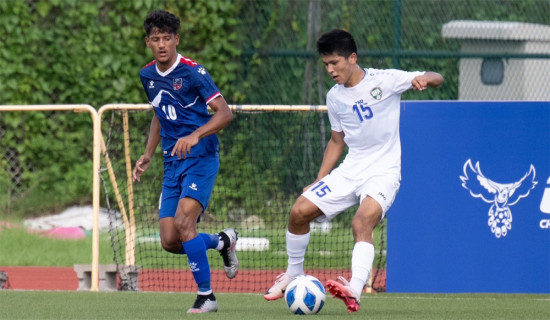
(361, 265)
(296, 245)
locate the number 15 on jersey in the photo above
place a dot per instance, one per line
(321, 189)
(362, 111)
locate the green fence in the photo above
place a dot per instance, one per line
(279, 63)
(258, 52)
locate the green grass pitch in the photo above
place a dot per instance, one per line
(148, 305)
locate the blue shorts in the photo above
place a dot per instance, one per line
(191, 177)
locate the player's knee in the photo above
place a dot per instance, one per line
(169, 248)
(300, 216)
(172, 246)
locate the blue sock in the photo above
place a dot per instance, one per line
(198, 263)
(210, 241)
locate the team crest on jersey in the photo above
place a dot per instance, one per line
(151, 84)
(376, 93)
(177, 83)
(202, 71)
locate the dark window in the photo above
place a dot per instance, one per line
(492, 71)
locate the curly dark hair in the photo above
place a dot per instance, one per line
(163, 21)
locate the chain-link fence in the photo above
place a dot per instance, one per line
(46, 161)
(485, 49)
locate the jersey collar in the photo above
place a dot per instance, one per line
(165, 73)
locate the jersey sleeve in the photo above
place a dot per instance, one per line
(204, 84)
(333, 114)
(144, 84)
(403, 79)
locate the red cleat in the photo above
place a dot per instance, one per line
(342, 290)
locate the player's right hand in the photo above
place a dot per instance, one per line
(141, 165)
(419, 83)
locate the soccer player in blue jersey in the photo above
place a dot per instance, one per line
(180, 90)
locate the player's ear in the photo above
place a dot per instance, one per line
(352, 59)
(177, 37)
(147, 41)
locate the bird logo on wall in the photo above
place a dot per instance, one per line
(501, 195)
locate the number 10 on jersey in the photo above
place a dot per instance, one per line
(170, 112)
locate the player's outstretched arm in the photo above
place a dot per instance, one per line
(152, 142)
(221, 118)
(428, 79)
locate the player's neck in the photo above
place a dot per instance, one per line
(357, 75)
(164, 66)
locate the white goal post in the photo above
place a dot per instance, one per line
(127, 212)
(135, 237)
(233, 107)
(98, 144)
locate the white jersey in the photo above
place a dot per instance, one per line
(368, 114)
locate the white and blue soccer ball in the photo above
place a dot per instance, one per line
(305, 294)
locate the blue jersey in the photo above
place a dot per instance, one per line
(180, 96)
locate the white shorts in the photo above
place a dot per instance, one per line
(335, 193)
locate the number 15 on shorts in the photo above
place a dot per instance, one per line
(321, 189)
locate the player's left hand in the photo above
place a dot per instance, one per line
(183, 146)
(420, 83)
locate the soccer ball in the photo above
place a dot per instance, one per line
(305, 295)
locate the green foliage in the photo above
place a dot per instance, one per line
(49, 156)
(66, 51)
(85, 52)
(257, 51)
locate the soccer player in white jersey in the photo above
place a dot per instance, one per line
(363, 109)
(180, 91)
